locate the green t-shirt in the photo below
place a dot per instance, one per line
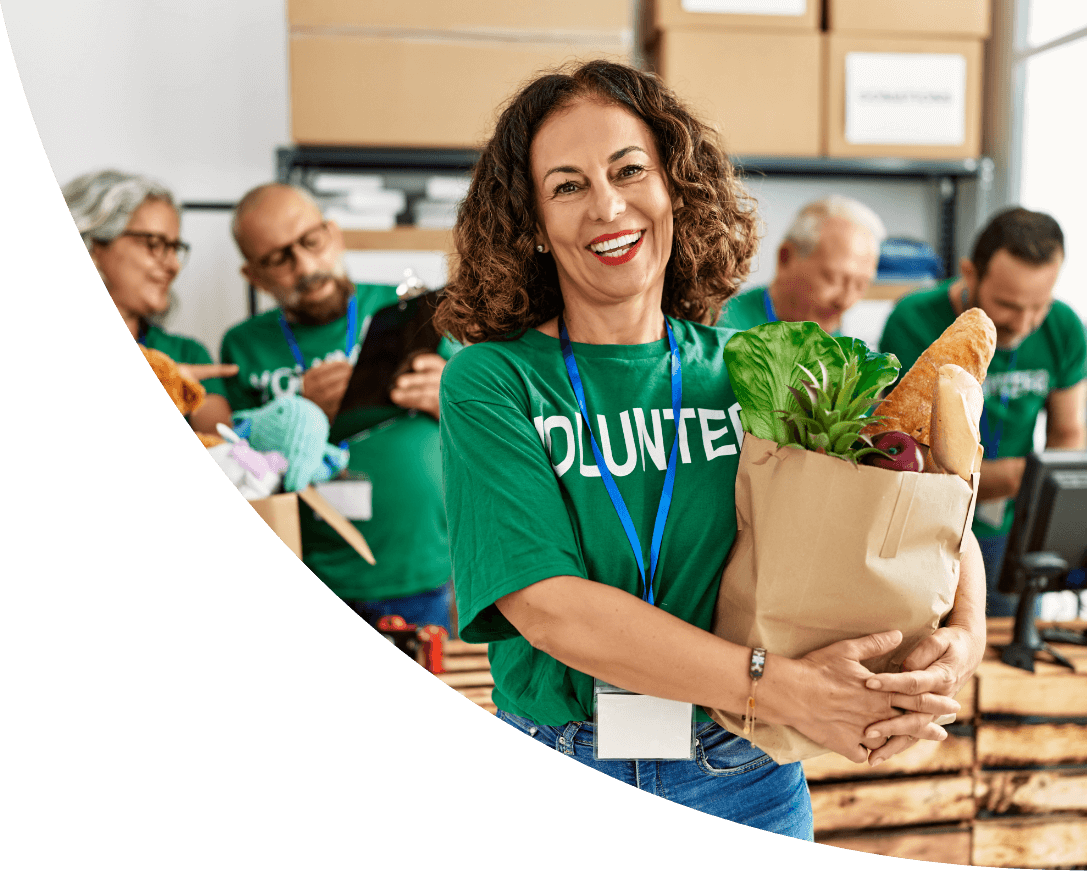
(182, 349)
(400, 455)
(525, 501)
(748, 309)
(1051, 358)
(744, 310)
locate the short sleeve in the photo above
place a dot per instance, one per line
(508, 523)
(1072, 366)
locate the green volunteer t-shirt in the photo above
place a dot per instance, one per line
(399, 454)
(526, 502)
(748, 309)
(1051, 358)
(182, 349)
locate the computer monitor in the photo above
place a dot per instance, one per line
(1049, 517)
(1047, 544)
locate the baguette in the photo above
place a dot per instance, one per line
(969, 343)
(953, 430)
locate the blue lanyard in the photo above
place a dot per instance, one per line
(606, 475)
(991, 435)
(349, 343)
(768, 307)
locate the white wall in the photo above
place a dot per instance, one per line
(191, 92)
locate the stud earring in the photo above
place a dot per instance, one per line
(540, 248)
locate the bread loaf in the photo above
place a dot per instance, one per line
(968, 343)
(953, 429)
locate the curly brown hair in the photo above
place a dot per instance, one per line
(501, 286)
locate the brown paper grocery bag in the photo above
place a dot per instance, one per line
(826, 551)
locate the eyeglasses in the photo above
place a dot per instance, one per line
(158, 245)
(314, 240)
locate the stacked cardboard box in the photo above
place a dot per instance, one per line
(431, 74)
(753, 68)
(905, 79)
(885, 79)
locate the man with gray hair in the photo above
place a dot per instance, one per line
(825, 264)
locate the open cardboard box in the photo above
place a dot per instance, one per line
(281, 513)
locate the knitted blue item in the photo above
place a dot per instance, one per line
(299, 430)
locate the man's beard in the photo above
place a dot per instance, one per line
(321, 311)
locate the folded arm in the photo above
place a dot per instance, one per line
(940, 664)
(617, 637)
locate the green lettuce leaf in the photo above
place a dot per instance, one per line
(765, 363)
(762, 365)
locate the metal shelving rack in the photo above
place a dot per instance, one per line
(298, 163)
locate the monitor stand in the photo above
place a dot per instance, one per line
(1027, 643)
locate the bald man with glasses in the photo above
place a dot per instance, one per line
(307, 346)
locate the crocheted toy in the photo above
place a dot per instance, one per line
(186, 393)
(299, 430)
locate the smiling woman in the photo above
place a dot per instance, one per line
(502, 289)
(131, 227)
(590, 445)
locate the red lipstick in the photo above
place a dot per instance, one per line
(620, 259)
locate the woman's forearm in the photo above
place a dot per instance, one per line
(612, 635)
(616, 637)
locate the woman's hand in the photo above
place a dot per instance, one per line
(202, 371)
(941, 663)
(825, 696)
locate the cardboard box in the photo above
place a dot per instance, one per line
(902, 97)
(497, 16)
(799, 15)
(437, 93)
(938, 18)
(763, 91)
(280, 512)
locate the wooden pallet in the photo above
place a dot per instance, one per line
(1007, 789)
(468, 671)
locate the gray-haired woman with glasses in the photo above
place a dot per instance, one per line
(130, 225)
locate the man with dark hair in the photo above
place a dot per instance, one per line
(1039, 363)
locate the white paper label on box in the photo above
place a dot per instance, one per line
(905, 98)
(746, 7)
(350, 498)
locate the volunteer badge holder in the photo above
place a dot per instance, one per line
(631, 725)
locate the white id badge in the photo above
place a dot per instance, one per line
(634, 726)
(351, 497)
(991, 512)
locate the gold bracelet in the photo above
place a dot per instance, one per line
(755, 672)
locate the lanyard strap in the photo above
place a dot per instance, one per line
(991, 434)
(606, 475)
(768, 307)
(349, 342)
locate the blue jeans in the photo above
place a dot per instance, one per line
(728, 778)
(429, 607)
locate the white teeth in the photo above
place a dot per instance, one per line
(618, 242)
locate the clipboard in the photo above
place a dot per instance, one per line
(396, 335)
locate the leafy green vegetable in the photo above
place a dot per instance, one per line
(773, 368)
(877, 371)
